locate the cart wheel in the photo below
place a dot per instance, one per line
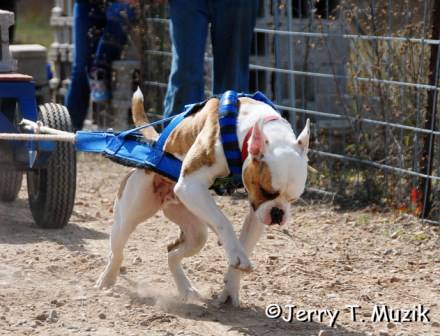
(52, 189)
(10, 184)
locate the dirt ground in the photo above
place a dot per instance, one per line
(328, 260)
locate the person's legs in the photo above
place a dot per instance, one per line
(115, 34)
(233, 22)
(87, 21)
(111, 43)
(188, 30)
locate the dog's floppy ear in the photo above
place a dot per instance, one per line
(257, 141)
(303, 139)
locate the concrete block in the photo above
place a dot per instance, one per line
(64, 52)
(65, 6)
(7, 63)
(71, 53)
(54, 54)
(7, 19)
(330, 86)
(342, 125)
(54, 83)
(31, 60)
(55, 15)
(120, 114)
(123, 78)
(333, 103)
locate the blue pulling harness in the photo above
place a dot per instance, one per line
(130, 148)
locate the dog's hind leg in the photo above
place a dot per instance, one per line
(136, 202)
(192, 239)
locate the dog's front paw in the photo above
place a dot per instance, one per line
(191, 294)
(239, 260)
(229, 296)
(232, 288)
(106, 280)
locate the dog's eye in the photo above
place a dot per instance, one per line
(269, 195)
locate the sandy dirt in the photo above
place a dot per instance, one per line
(330, 260)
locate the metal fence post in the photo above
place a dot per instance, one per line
(430, 123)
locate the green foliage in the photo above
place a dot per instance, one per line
(32, 24)
(399, 61)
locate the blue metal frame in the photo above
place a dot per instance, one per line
(24, 93)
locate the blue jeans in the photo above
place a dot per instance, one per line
(232, 23)
(99, 34)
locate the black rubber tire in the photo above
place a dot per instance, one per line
(52, 190)
(10, 184)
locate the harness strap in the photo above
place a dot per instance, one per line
(262, 98)
(228, 113)
(189, 109)
(130, 148)
(160, 143)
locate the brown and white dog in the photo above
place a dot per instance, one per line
(274, 175)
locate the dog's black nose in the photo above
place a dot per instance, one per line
(276, 215)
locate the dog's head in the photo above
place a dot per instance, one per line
(275, 172)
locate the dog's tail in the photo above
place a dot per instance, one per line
(139, 116)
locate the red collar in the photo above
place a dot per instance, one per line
(244, 149)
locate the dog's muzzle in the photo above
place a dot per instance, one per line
(276, 215)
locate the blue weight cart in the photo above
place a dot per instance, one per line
(50, 166)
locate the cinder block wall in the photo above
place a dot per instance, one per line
(7, 63)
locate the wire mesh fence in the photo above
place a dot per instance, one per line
(365, 72)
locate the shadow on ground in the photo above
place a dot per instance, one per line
(247, 320)
(18, 227)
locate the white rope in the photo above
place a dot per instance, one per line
(38, 127)
(51, 134)
(69, 137)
